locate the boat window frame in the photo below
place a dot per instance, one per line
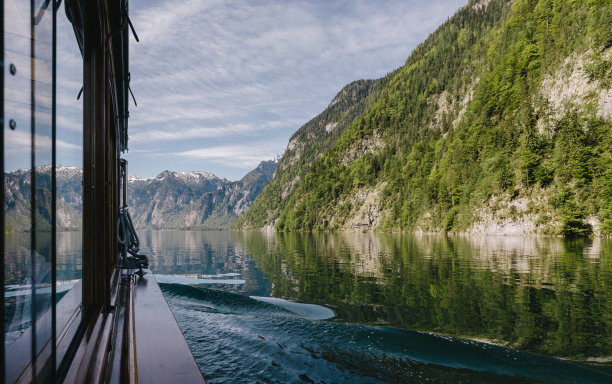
(23, 360)
(28, 360)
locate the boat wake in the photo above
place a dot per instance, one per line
(237, 338)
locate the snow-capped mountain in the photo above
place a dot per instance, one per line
(69, 197)
(195, 199)
(170, 200)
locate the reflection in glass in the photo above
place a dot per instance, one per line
(41, 104)
(28, 151)
(28, 174)
(17, 154)
(17, 289)
(69, 169)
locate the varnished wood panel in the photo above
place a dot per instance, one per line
(163, 355)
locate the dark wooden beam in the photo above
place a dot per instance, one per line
(90, 61)
(99, 161)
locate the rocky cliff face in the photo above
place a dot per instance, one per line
(306, 145)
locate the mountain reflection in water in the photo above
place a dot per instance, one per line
(548, 296)
(369, 308)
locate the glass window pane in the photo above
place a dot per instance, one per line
(28, 149)
(17, 163)
(69, 171)
(42, 103)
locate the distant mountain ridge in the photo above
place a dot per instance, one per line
(193, 176)
(171, 200)
(69, 198)
(181, 200)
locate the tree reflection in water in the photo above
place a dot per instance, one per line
(543, 295)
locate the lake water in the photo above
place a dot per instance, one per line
(370, 308)
(383, 308)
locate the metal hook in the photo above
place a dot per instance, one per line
(133, 98)
(132, 28)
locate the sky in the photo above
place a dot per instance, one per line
(221, 85)
(17, 96)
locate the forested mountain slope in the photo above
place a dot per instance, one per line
(500, 122)
(305, 147)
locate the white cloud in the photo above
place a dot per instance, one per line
(227, 71)
(235, 156)
(173, 133)
(19, 142)
(222, 84)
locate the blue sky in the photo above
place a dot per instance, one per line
(223, 84)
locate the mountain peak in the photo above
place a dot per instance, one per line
(61, 171)
(195, 199)
(193, 176)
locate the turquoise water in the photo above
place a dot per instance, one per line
(369, 308)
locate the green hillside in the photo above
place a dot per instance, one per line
(500, 122)
(305, 146)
